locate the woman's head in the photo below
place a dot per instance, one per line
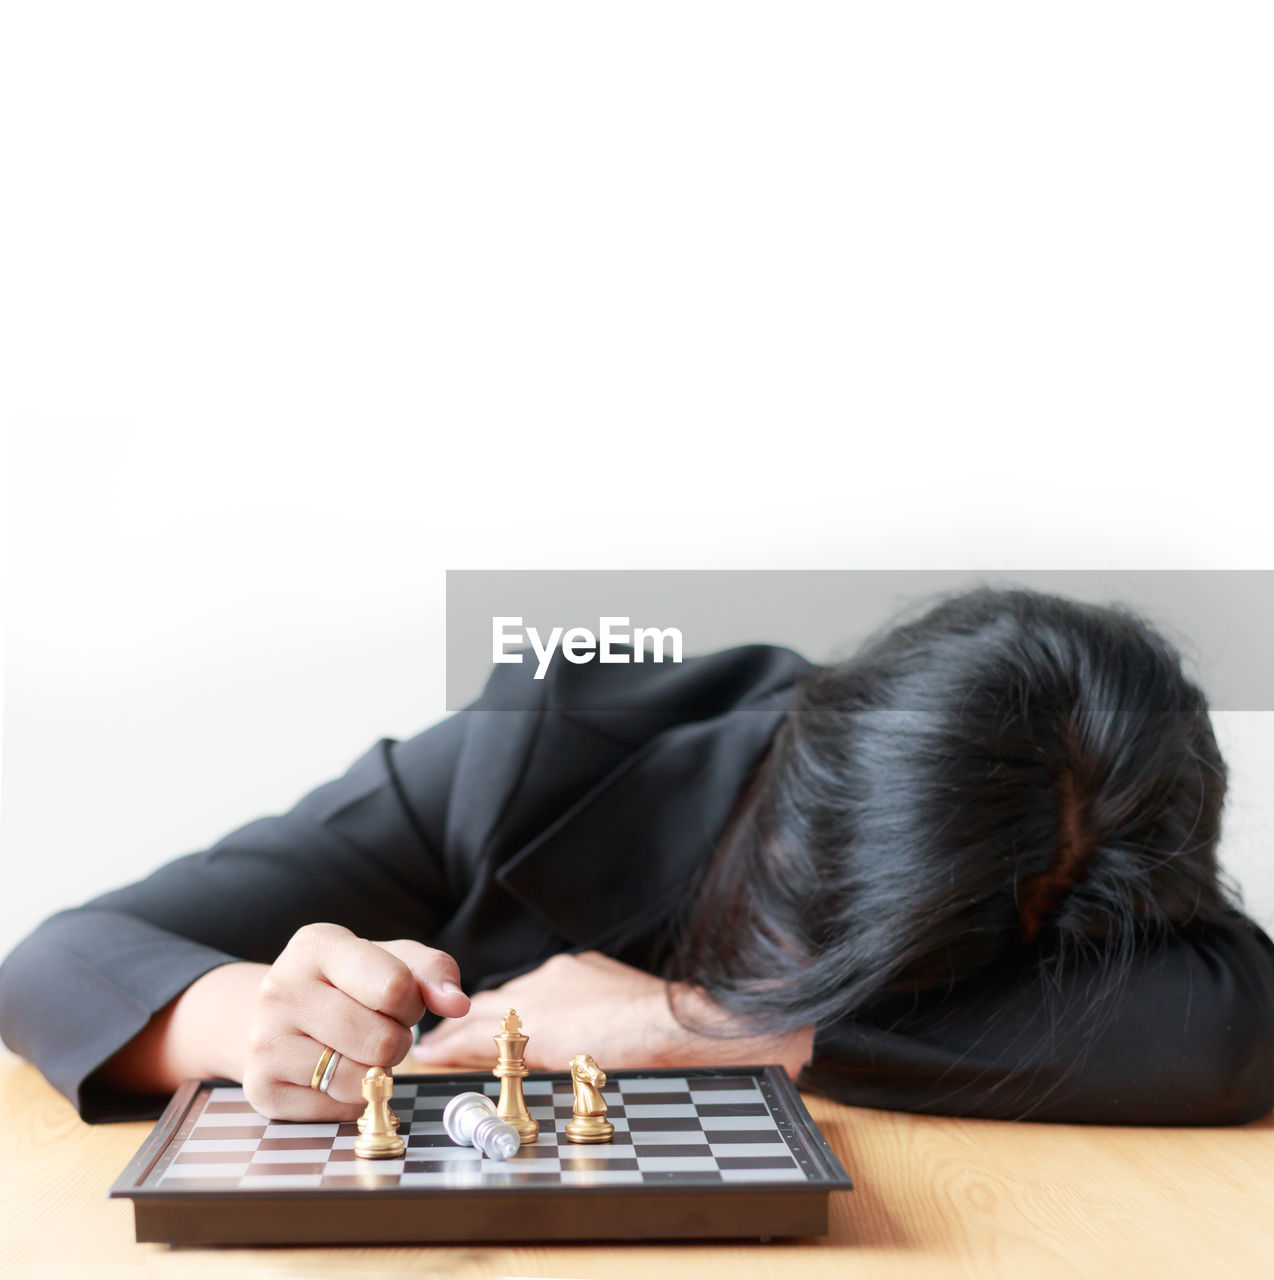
(1011, 776)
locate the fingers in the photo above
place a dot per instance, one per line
(400, 978)
(330, 987)
(285, 1100)
(436, 974)
(281, 1069)
(297, 1060)
(470, 1041)
(300, 1102)
(370, 974)
(357, 1033)
(277, 1083)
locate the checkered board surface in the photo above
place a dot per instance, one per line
(697, 1130)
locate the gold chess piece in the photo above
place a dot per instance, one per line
(363, 1121)
(588, 1121)
(510, 1069)
(377, 1139)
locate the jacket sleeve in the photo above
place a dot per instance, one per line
(1183, 1037)
(362, 851)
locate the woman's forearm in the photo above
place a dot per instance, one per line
(203, 1032)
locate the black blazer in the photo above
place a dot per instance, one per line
(574, 813)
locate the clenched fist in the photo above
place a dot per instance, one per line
(330, 987)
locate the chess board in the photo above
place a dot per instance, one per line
(724, 1152)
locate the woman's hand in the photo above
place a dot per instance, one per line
(330, 987)
(267, 1025)
(589, 1003)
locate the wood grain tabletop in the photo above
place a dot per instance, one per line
(935, 1197)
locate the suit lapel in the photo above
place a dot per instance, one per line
(620, 858)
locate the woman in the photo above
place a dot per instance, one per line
(970, 870)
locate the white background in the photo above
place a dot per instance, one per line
(306, 303)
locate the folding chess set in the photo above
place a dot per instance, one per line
(725, 1152)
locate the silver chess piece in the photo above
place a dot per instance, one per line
(470, 1120)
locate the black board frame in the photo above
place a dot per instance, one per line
(436, 1215)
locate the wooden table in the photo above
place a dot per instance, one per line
(936, 1197)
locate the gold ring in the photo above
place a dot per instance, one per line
(324, 1058)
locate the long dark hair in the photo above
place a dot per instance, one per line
(1011, 778)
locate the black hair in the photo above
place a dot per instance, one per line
(1011, 778)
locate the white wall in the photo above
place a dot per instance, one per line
(308, 303)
